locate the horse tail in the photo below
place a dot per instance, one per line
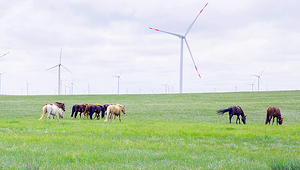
(107, 115)
(73, 110)
(222, 111)
(44, 112)
(267, 119)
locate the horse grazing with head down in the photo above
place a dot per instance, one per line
(274, 112)
(96, 109)
(114, 110)
(53, 110)
(77, 108)
(234, 110)
(58, 104)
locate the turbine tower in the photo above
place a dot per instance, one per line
(59, 65)
(258, 79)
(183, 37)
(118, 76)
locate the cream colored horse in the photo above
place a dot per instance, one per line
(53, 110)
(114, 110)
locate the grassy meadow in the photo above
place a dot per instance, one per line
(158, 131)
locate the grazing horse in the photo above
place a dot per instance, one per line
(58, 104)
(274, 112)
(115, 110)
(234, 110)
(78, 108)
(87, 109)
(96, 109)
(53, 110)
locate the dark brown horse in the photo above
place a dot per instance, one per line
(274, 112)
(103, 109)
(77, 108)
(87, 109)
(234, 110)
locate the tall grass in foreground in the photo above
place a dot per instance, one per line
(180, 131)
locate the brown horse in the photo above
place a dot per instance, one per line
(58, 104)
(105, 109)
(87, 109)
(77, 108)
(234, 110)
(274, 112)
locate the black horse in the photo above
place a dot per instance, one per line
(77, 108)
(96, 109)
(234, 110)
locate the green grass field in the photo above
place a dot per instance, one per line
(176, 131)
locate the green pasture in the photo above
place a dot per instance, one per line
(158, 131)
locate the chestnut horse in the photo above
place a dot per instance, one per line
(77, 108)
(58, 104)
(114, 110)
(274, 112)
(234, 110)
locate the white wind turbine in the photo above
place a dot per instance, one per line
(58, 65)
(183, 37)
(258, 79)
(0, 81)
(119, 77)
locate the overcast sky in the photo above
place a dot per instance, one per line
(230, 41)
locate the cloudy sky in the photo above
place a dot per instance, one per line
(230, 41)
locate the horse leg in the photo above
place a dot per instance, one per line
(230, 116)
(120, 117)
(273, 120)
(56, 117)
(237, 118)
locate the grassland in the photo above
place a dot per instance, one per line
(176, 131)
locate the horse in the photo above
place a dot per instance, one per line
(58, 104)
(234, 110)
(96, 109)
(274, 112)
(103, 112)
(116, 110)
(78, 108)
(53, 110)
(86, 111)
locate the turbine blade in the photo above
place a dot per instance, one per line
(177, 35)
(190, 27)
(121, 72)
(192, 56)
(4, 54)
(254, 75)
(262, 72)
(66, 68)
(52, 67)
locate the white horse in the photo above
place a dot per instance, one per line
(53, 110)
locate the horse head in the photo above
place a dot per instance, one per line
(280, 120)
(244, 119)
(60, 111)
(123, 108)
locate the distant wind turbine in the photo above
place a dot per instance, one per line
(4, 54)
(119, 77)
(258, 79)
(166, 87)
(58, 65)
(0, 80)
(183, 37)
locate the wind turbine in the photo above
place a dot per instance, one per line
(183, 37)
(4, 54)
(118, 76)
(166, 85)
(258, 79)
(58, 65)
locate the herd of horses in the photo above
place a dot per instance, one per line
(272, 112)
(88, 110)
